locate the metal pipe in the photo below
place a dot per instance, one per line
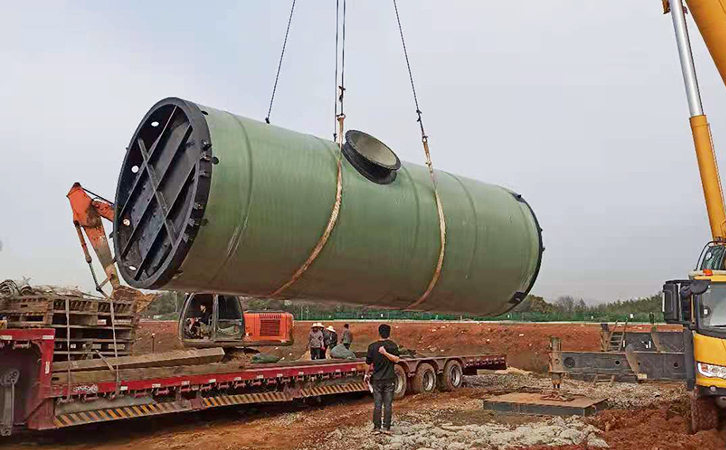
(686, 57)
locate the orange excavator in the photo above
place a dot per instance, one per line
(207, 319)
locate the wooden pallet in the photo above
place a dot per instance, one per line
(84, 330)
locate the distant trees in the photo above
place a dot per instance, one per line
(535, 304)
(565, 303)
(166, 303)
(568, 305)
(565, 307)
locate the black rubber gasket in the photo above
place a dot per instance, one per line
(375, 171)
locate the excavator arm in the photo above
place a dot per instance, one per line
(88, 213)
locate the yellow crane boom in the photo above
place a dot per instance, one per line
(710, 17)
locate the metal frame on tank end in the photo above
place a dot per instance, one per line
(147, 169)
(519, 297)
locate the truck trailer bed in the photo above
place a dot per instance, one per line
(42, 398)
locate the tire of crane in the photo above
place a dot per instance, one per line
(424, 381)
(402, 384)
(704, 413)
(452, 377)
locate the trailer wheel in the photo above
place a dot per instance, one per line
(452, 377)
(424, 381)
(704, 413)
(401, 383)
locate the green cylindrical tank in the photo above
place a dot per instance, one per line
(210, 201)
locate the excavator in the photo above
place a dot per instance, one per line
(206, 319)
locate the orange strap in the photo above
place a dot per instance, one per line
(331, 221)
(442, 228)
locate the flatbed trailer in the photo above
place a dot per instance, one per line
(35, 397)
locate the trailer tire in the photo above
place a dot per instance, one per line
(704, 413)
(452, 377)
(424, 382)
(399, 391)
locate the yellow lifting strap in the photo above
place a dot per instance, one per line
(442, 223)
(437, 197)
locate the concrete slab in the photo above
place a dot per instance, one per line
(528, 403)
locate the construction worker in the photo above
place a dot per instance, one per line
(325, 341)
(382, 357)
(315, 341)
(205, 314)
(200, 328)
(331, 339)
(347, 336)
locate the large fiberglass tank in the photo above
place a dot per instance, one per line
(211, 201)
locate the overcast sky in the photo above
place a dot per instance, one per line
(577, 105)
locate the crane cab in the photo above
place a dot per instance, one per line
(217, 320)
(699, 304)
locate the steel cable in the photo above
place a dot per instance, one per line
(279, 65)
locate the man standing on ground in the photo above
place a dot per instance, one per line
(315, 341)
(382, 356)
(347, 336)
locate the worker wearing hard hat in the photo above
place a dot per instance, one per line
(330, 339)
(315, 341)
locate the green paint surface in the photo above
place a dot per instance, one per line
(271, 197)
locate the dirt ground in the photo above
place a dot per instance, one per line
(452, 421)
(525, 344)
(648, 416)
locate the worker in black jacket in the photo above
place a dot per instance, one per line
(382, 357)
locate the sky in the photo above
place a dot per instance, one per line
(578, 106)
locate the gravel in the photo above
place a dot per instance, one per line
(407, 435)
(446, 425)
(619, 395)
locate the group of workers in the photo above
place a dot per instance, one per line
(321, 339)
(381, 358)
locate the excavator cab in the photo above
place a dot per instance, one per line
(217, 320)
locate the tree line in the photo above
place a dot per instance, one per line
(569, 305)
(168, 305)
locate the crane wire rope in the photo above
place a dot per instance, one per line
(279, 65)
(333, 219)
(335, 82)
(437, 197)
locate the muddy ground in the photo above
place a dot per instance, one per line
(643, 417)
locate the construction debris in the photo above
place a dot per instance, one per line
(86, 326)
(407, 435)
(619, 395)
(550, 404)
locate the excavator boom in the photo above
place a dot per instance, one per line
(88, 213)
